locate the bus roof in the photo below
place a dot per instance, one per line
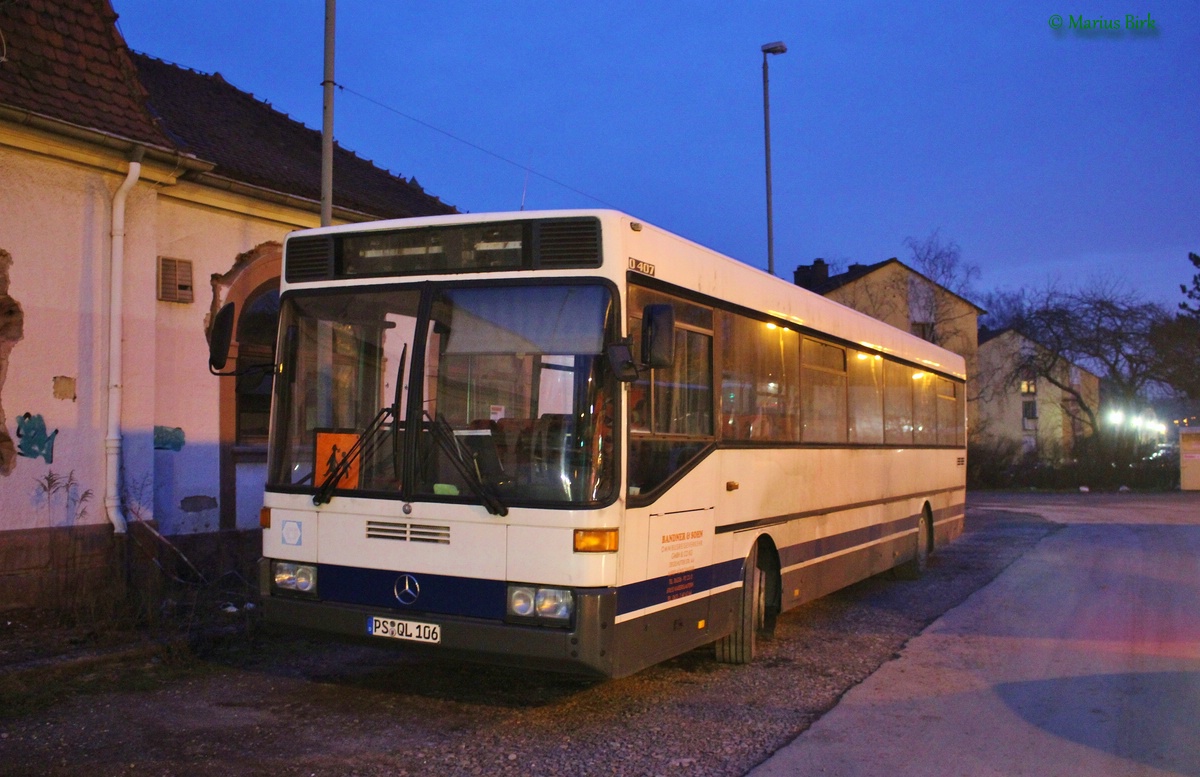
(682, 262)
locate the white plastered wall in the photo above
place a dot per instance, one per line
(188, 397)
(55, 223)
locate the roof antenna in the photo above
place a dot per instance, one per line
(524, 188)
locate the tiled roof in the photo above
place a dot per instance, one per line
(856, 271)
(251, 142)
(64, 60)
(816, 277)
(987, 333)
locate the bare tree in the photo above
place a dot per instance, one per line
(1193, 293)
(940, 261)
(1176, 342)
(1100, 327)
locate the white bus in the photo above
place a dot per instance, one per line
(571, 441)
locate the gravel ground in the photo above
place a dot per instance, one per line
(282, 706)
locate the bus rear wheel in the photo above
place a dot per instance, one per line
(740, 646)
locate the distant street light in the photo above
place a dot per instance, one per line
(769, 48)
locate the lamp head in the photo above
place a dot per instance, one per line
(777, 47)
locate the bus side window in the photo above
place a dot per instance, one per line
(897, 403)
(760, 380)
(670, 408)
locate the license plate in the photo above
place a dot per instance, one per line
(406, 630)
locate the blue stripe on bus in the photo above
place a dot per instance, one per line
(648, 593)
(824, 546)
(440, 594)
(477, 598)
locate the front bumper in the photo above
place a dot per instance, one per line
(586, 648)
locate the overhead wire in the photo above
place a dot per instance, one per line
(528, 170)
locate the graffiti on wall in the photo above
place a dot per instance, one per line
(32, 439)
(168, 438)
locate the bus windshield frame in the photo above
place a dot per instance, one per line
(496, 394)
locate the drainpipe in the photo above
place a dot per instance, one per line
(112, 441)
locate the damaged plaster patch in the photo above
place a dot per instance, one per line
(64, 387)
(12, 330)
(197, 504)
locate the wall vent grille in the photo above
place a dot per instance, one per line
(175, 280)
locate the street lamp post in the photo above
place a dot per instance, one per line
(327, 117)
(769, 48)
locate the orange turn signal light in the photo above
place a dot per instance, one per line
(595, 540)
(264, 518)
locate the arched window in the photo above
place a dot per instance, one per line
(256, 349)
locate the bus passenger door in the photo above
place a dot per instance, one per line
(672, 477)
(679, 560)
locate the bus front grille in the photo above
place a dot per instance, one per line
(408, 532)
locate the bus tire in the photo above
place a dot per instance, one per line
(915, 567)
(739, 647)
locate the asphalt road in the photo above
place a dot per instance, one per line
(1081, 658)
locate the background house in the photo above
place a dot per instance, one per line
(1046, 416)
(893, 292)
(136, 198)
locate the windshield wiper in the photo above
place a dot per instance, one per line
(396, 413)
(325, 490)
(467, 469)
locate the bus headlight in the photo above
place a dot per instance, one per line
(550, 606)
(520, 601)
(554, 603)
(298, 578)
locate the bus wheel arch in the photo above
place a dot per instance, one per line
(758, 607)
(768, 561)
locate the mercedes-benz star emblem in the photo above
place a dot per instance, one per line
(407, 589)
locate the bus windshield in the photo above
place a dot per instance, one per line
(497, 395)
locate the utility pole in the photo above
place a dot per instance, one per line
(327, 119)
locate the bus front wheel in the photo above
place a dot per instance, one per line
(739, 647)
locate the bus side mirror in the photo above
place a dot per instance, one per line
(658, 335)
(219, 339)
(620, 360)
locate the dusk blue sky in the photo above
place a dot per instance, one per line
(1045, 155)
